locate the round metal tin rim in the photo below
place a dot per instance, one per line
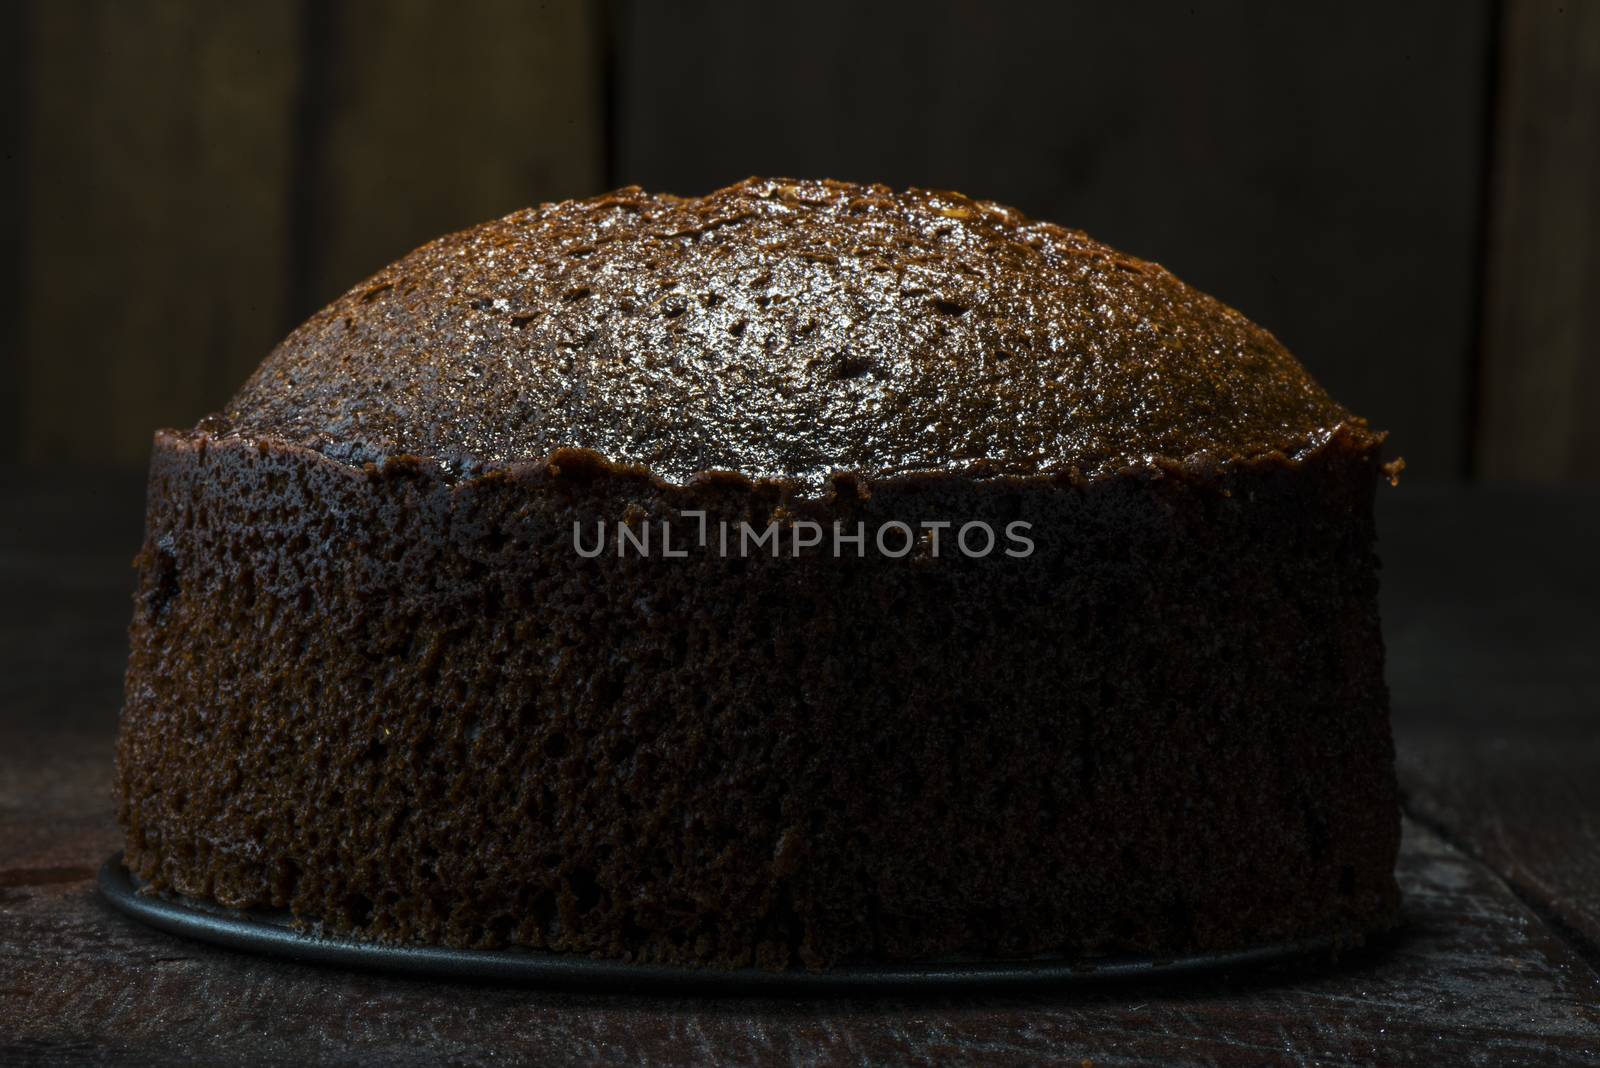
(270, 933)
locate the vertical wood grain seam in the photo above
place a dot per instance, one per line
(17, 235)
(1471, 463)
(1544, 248)
(318, 24)
(607, 20)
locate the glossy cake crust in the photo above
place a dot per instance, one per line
(371, 679)
(782, 330)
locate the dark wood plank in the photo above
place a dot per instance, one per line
(1541, 381)
(16, 119)
(1490, 621)
(437, 117)
(1319, 168)
(1477, 978)
(159, 160)
(1527, 806)
(201, 176)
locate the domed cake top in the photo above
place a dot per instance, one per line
(785, 330)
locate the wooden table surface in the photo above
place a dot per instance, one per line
(1490, 600)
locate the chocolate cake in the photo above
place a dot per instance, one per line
(801, 574)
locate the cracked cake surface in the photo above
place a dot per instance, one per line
(783, 330)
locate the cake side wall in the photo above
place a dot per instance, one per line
(407, 706)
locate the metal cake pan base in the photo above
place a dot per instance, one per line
(270, 933)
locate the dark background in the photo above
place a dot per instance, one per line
(1407, 194)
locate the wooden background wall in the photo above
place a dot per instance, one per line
(1408, 194)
